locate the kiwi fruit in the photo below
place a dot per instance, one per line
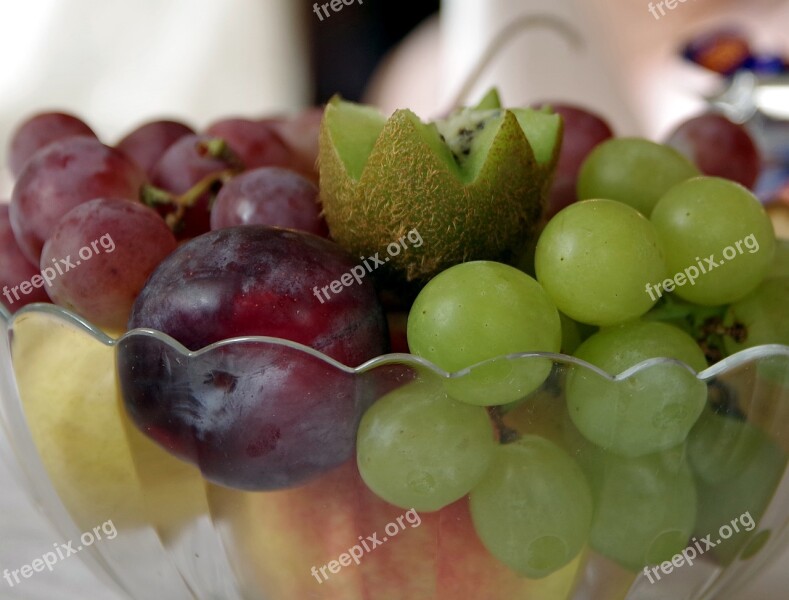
(473, 185)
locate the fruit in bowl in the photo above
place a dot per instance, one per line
(278, 430)
(252, 378)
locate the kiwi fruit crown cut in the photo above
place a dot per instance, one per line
(472, 185)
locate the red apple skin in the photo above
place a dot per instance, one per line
(280, 536)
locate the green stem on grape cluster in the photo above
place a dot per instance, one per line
(711, 336)
(153, 196)
(704, 323)
(219, 149)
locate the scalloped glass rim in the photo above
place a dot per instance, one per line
(731, 362)
(597, 576)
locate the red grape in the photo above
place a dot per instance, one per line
(719, 148)
(146, 144)
(269, 196)
(188, 161)
(301, 133)
(100, 255)
(16, 271)
(252, 414)
(257, 143)
(40, 131)
(61, 176)
(583, 130)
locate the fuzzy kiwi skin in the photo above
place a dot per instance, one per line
(407, 185)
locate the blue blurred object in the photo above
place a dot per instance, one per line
(755, 94)
(766, 64)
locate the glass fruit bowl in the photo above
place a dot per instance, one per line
(710, 512)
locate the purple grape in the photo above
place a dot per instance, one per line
(719, 148)
(257, 143)
(583, 131)
(20, 281)
(185, 163)
(40, 131)
(300, 133)
(269, 196)
(146, 144)
(61, 176)
(100, 255)
(253, 415)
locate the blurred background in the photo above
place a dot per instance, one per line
(117, 63)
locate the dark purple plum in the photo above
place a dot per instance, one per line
(252, 414)
(258, 280)
(269, 196)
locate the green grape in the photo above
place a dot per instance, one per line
(574, 333)
(743, 495)
(634, 171)
(571, 334)
(533, 508)
(645, 507)
(477, 311)
(720, 447)
(719, 241)
(595, 259)
(780, 266)
(418, 448)
(764, 315)
(653, 409)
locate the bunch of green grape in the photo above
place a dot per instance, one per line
(631, 280)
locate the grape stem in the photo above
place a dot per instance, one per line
(153, 196)
(704, 324)
(219, 149)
